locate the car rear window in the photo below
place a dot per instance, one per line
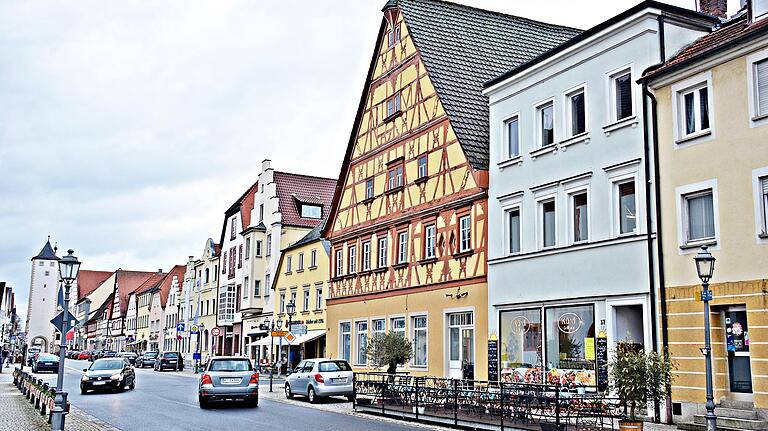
(150, 354)
(47, 357)
(330, 366)
(226, 365)
(172, 355)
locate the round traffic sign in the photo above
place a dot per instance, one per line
(216, 331)
(193, 329)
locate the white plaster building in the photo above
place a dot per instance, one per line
(43, 294)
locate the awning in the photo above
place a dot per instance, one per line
(300, 339)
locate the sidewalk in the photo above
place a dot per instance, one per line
(16, 413)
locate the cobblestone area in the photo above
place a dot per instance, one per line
(16, 413)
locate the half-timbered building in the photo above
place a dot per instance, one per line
(409, 216)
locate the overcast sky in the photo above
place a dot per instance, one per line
(127, 128)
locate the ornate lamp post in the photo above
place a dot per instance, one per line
(290, 310)
(705, 267)
(275, 326)
(68, 268)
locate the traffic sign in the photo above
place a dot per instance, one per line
(193, 329)
(58, 321)
(299, 329)
(279, 333)
(180, 327)
(290, 337)
(216, 331)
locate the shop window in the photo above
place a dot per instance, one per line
(570, 343)
(521, 336)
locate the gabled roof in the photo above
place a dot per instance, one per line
(463, 47)
(88, 281)
(105, 306)
(150, 283)
(738, 31)
(294, 189)
(165, 285)
(315, 234)
(47, 253)
(243, 205)
(130, 281)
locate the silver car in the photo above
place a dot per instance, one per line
(229, 378)
(318, 378)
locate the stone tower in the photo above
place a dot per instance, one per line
(43, 291)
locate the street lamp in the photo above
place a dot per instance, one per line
(290, 310)
(68, 268)
(705, 267)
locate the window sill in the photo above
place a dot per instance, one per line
(393, 116)
(395, 161)
(463, 254)
(365, 272)
(694, 136)
(551, 148)
(288, 272)
(299, 270)
(581, 137)
(378, 270)
(305, 313)
(428, 261)
(400, 265)
(517, 160)
(421, 180)
(394, 190)
(366, 201)
(696, 244)
(763, 235)
(760, 117)
(625, 122)
(312, 268)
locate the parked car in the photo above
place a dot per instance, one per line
(95, 354)
(84, 355)
(45, 362)
(147, 359)
(108, 373)
(130, 356)
(108, 354)
(316, 378)
(228, 378)
(169, 360)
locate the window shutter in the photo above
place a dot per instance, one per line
(761, 74)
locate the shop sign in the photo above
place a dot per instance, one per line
(521, 325)
(570, 323)
(493, 359)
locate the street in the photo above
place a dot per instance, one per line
(168, 401)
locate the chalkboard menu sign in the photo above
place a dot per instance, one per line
(601, 357)
(493, 360)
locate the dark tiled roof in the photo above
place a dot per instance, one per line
(295, 188)
(47, 252)
(88, 281)
(462, 48)
(735, 31)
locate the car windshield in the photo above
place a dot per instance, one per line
(172, 355)
(329, 366)
(150, 354)
(107, 364)
(47, 357)
(230, 365)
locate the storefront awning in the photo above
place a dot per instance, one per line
(300, 339)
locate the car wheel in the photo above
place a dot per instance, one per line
(254, 402)
(288, 393)
(133, 384)
(311, 395)
(204, 404)
(83, 391)
(350, 398)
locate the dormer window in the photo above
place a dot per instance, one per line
(311, 211)
(759, 9)
(393, 106)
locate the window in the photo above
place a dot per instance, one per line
(233, 229)
(289, 264)
(311, 211)
(402, 247)
(627, 205)
(429, 242)
(224, 267)
(282, 302)
(548, 223)
(339, 262)
(512, 136)
(261, 213)
(267, 286)
(513, 226)
(269, 245)
(247, 248)
(622, 94)
(395, 177)
(577, 108)
(215, 272)
(393, 35)
(240, 256)
(759, 8)
(352, 259)
(382, 252)
(546, 124)
(306, 299)
(369, 188)
(318, 297)
(568, 330)
(257, 252)
(419, 341)
(693, 108)
(579, 208)
(700, 216)
(393, 106)
(313, 259)
(257, 289)
(367, 256)
(465, 233)
(345, 341)
(760, 71)
(246, 284)
(763, 203)
(397, 325)
(378, 327)
(422, 166)
(226, 303)
(361, 334)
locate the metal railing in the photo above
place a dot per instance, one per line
(39, 393)
(486, 405)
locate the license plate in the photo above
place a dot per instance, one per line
(49, 363)
(230, 380)
(173, 361)
(99, 383)
(339, 380)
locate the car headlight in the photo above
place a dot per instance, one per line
(117, 376)
(84, 378)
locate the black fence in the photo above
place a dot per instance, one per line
(486, 405)
(38, 392)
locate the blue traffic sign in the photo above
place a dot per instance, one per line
(180, 327)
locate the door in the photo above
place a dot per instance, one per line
(737, 345)
(461, 345)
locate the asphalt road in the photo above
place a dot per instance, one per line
(168, 402)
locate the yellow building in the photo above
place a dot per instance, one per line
(302, 277)
(712, 119)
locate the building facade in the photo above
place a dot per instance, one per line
(43, 292)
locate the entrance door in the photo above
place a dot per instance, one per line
(461, 345)
(737, 345)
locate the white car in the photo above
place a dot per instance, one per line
(316, 378)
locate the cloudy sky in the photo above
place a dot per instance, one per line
(127, 128)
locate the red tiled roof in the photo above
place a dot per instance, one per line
(295, 188)
(738, 28)
(150, 283)
(130, 281)
(165, 286)
(88, 281)
(246, 204)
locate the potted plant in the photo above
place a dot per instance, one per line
(637, 379)
(389, 350)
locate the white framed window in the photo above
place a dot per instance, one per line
(369, 188)
(511, 137)
(397, 325)
(393, 105)
(759, 9)
(301, 262)
(289, 264)
(345, 340)
(621, 91)
(367, 256)
(282, 301)
(293, 297)
(512, 219)
(339, 262)
(547, 222)
(545, 123)
(378, 327)
(579, 216)
(269, 245)
(697, 213)
(305, 301)
(311, 211)
(383, 252)
(757, 83)
(313, 258)
(352, 259)
(267, 286)
(318, 296)
(429, 241)
(402, 247)
(419, 340)
(465, 233)
(247, 248)
(626, 200)
(422, 166)
(760, 185)
(692, 109)
(361, 342)
(576, 111)
(257, 288)
(257, 252)
(246, 285)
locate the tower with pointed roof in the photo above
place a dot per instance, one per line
(43, 290)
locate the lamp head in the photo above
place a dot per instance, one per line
(68, 267)
(705, 264)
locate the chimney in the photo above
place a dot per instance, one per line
(718, 8)
(160, 271)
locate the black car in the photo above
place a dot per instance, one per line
(108, 373)
(95, 354)
(130, 356)
(169, 361)
(45, 362)
(147, 359)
